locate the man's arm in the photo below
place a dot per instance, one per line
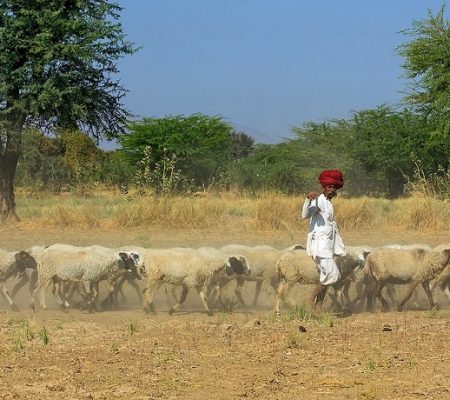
(310, 206)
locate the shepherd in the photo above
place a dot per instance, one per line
(324, 241)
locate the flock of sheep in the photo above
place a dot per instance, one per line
(69, 269)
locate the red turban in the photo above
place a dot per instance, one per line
(332, 177)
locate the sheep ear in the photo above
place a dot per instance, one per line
(365, 254)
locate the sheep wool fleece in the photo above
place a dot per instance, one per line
(323, 240)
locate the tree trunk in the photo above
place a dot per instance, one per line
(8, 164)
(10, 147)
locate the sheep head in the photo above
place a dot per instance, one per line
(132, 263)
(24, 260)
(237, 265)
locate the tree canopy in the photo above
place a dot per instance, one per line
(202, 144)
(427, 67)
(57, 64)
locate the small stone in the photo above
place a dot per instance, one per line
(387, 328)
(227, 327)
(301, 328)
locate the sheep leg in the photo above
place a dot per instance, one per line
(447, 289)
(281, 293)
(111, 295)
(112, 299)
(57, 293)
(360, 293)
(23, 280)
(238, 291)
(212, 293)
(88, 288)
(443, 284)
(371, 287)
(80, 288)
(136, 287)
(318, 296)
(390, 291)
(426, 287)
(258, 287)
(278, 294)
(41, 287)
(334, 297)
(64, 290)
(42, 291)
(119, 290)
(379, 295)
(201, 292)
(149, 295)
(345, 290)
(33, 282)
(184, 292)
(218, 291)
(94, 293)
(341, 298)
(411, 289)
(8, 298)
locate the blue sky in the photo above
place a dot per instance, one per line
(265, 65)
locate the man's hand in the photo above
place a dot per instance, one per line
(311, 195)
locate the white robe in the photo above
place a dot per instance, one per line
(323, 238)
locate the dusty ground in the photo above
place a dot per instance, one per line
(248, 354)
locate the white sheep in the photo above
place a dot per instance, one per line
(89, 265)
(201, 269)
(399, 266)
(67, 289)
(442, 281)
(263, 260)
(14, 264)
(297, 267)
(389, 287)
(112, 300)
(408, 246)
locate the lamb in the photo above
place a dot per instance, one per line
(89, 265)
(14, 264)
(411, 267)
(263, 260)
(201, 269)
(298, 267)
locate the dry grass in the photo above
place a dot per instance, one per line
(265, 212)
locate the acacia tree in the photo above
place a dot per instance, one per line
(57, 64)
(427, 66)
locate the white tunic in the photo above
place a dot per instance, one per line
(323, 238)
